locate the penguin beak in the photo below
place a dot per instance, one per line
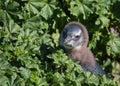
(68, 43)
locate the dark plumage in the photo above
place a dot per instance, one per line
(74, 40)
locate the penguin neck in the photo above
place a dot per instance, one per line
(82, 54)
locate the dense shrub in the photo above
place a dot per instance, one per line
(29, 32)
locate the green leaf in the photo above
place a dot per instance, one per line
(12, 6)
(3, 80)
(114, 46)
(55, 37)
(25, 73)
(77, 8)
(31, 8)
(46, 11)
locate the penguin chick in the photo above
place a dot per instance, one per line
(74, 40)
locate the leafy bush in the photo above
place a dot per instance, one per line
(29, 32)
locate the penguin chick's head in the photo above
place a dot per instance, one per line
(71, 36)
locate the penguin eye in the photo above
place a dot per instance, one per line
(77, 36)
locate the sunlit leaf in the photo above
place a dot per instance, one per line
(77, 8)
(47, 11)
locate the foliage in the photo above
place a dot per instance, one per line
(29, 31)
